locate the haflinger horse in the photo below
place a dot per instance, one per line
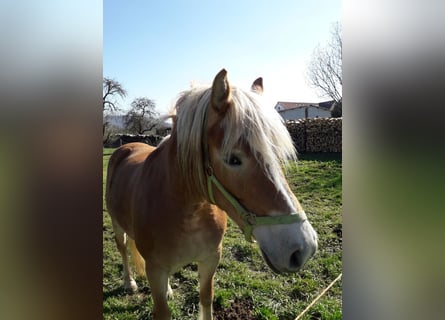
(168, 204)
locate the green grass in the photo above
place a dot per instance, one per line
(243, 281)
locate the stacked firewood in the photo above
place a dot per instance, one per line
(297, 130)
(316, 135)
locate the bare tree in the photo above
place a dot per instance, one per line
(325, 69)
(142, 116)
(111, 90)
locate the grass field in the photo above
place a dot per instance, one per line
(245, 288)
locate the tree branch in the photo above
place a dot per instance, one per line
(324, 71)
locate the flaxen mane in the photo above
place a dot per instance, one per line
(250, 122)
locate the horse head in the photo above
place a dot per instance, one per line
(245, 145)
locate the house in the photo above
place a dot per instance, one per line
(304, 110)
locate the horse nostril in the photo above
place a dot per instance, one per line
(295, 259)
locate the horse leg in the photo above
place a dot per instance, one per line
(121, 241)
(206, 271)
(160, 288)
(169, 290)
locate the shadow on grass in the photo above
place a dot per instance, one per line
(116, 292)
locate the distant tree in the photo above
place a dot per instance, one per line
(111, 90)
(324, 71)
(110, 131)
(142, 116)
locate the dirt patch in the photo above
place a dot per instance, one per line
(239, 309)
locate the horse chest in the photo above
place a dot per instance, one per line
(194, 237)
(198, 237)
(201, 235)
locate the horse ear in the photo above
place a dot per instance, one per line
(221, 92)
(257, 86)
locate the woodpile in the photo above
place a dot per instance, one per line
(316, 135)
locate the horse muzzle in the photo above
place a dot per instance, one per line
(285, 249)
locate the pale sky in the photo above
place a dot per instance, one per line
(157, 48)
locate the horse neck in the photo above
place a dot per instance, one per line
(174, 181)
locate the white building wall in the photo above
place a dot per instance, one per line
(299, 113)
(320, 113)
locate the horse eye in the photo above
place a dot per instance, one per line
(233, 161)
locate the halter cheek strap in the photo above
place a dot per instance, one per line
(250, 220)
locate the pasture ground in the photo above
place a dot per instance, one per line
(245, 288)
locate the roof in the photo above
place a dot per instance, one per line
(325, 105)
(292, 105)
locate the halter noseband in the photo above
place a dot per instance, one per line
(250, 220)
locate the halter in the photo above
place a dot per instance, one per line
(250, 220)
